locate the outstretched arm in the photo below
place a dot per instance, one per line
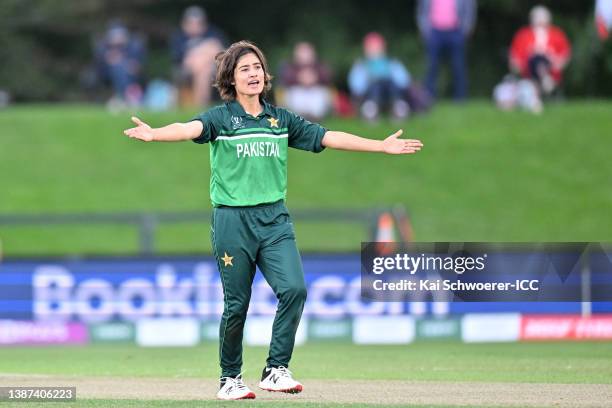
(390, 145)
(175, 132)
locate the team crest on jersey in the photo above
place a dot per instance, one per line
(273, 122)
(237, 122)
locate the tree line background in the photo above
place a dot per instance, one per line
(46, 45)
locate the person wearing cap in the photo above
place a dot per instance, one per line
(445, 25)
(119, 59)
(377, 81)
(540, 51)
(193, 49)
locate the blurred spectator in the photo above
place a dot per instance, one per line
(5, 98)
(119, 59)
(444, 26)
(193, 50)
(513, 92)
(603, 18)
(161, 95)
(378, 81)
(306, 82)
(540, 51)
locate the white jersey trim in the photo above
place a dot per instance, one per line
(254, 135)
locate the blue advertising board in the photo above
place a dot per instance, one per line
(127, 289)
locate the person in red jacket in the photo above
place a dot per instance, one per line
(540, 51)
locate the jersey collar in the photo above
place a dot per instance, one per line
(237, 110)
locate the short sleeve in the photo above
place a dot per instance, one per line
(209, 127)
(303, 134)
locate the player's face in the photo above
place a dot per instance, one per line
(249, 75)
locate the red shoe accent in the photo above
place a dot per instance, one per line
(250, 395)
(294, 390)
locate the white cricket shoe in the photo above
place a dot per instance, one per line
(234, 389)
(279, 379)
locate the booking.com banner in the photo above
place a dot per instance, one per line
(130, 289)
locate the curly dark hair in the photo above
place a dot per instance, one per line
(226, 65)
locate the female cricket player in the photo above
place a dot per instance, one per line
(251, 226)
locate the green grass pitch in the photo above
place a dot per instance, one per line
(432, 361)
(444, 362)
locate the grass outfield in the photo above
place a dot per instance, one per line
(439, 366)
(568, 363)
(484, 175)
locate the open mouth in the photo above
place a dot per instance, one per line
(254, 82)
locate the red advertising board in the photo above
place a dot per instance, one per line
(566, 327)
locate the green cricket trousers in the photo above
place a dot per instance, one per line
(245, 237)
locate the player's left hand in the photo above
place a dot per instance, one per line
(394, 145)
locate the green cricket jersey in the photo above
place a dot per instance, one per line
(248, 155)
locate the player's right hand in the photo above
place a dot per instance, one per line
(141, 132)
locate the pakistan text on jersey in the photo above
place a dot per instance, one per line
(257, 149)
